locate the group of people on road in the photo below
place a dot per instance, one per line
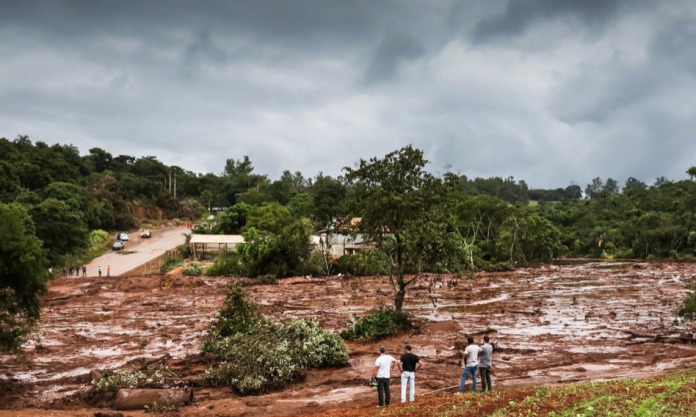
(476, 358)
(75, 270)
(68, 272)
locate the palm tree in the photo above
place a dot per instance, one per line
(692, 172)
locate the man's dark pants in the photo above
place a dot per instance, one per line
(383, 391)
(486, 379)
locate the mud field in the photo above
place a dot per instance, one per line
(550, 325)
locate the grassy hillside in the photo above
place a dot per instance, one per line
(672, 395)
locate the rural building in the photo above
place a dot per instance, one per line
(200, 244)
(342, 244)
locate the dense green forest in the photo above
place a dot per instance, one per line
(55, 202)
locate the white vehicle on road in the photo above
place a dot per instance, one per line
(122, 237)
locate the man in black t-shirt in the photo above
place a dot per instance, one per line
(408, 365)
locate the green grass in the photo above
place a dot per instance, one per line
(671, 395)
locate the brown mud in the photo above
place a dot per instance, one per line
(550, 325)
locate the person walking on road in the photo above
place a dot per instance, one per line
(84, 270)
(408, 364)
(99, 270)
(71, 269)
(485, 365)
(108, 270)
(382, 373)
(470, 360)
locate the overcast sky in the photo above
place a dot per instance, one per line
(550, 91)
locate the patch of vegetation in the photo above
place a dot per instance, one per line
(367, 262)
(156, 408)
(171, 261)
(123, 378)
(687, 309)
(378, 324)
(494, 266)
(672, 395)
(257, 354)
(97, 236)
(193, 269)
(227, 264)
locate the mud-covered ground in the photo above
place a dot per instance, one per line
(550, 325)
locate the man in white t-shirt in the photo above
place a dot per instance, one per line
(470, 364)
(382, 373)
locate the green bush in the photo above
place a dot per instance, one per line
(367, 262)
(377, 324)
(256, 354)
(267, 280)
(184, 251)
(193, 269)
(97, 236)
(494, 266)
(171, 261)
(226, 263)
(687, 309)
(123, 378)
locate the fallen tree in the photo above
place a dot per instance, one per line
(256, 354)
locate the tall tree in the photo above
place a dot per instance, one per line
(23, 275)
(400, 205)
(691, 172)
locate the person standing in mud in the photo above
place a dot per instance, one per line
(84, 270)
(471, 362)
(99, 269)
(382, 373)
(71, 269)
(108, 270)
(408, 363)
(485, 365)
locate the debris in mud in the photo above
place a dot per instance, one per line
(137, 399)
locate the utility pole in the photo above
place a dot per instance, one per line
(170, 182)
(175, 185)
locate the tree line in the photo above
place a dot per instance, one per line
(54, 197)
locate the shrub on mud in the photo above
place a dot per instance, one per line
(257, 354)
(687, 309)
(377, 324)
(123, 378)
(193, 269)
(494, 266)
(226, 263)
(368, 262)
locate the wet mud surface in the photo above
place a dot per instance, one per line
(550, 325)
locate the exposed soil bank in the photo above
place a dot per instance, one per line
(553, 325)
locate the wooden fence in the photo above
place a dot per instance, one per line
(154, 266)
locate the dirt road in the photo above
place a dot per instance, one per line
(550, 325)
(138, 251)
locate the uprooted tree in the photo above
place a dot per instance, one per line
(401, 210)
(256, 354)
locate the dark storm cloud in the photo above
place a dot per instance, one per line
(520, 14)
(394, 49)
(550, 91)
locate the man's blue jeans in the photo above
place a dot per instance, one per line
(468, 370)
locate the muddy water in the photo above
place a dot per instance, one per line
(552, 325)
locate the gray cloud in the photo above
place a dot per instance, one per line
(394, 49)
(521, 14)
(546, 91)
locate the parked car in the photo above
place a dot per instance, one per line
(118, 245)
(122, 236)
(146, 234)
